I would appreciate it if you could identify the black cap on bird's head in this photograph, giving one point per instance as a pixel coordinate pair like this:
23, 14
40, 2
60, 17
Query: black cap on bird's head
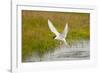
54, 37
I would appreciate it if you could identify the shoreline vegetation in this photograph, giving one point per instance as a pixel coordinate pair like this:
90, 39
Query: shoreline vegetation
36, 36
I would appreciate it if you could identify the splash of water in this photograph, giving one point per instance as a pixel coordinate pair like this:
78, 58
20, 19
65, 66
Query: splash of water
77, 51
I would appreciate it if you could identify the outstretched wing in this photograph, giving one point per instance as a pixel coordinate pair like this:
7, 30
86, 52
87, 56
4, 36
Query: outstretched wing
52, 28
64, 33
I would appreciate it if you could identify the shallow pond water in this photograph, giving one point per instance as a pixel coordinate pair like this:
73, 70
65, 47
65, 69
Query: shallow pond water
78, 50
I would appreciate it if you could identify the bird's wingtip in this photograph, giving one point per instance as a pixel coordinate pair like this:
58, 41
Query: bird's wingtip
48, 20
67, 23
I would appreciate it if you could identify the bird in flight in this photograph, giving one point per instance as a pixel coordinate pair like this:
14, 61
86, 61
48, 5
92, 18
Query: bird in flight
59, 36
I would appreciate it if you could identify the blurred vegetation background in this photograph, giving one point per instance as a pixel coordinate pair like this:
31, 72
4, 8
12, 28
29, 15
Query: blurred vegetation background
37, 37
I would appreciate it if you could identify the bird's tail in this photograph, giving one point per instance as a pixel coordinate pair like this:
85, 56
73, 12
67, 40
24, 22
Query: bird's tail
65, 43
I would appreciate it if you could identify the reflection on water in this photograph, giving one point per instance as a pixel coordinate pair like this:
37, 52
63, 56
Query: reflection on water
78, 50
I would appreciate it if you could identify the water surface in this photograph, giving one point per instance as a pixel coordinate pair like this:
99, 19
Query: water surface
78, 50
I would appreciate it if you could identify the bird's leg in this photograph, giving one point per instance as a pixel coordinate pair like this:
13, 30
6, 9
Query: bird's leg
61, 44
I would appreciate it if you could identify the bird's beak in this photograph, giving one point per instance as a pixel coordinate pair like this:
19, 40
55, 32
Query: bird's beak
54, 37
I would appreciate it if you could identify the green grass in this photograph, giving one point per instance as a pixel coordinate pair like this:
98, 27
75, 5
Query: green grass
36, 36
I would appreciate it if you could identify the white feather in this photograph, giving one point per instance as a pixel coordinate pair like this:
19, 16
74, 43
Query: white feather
65, 43
64, 33
59, 36
52, 28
